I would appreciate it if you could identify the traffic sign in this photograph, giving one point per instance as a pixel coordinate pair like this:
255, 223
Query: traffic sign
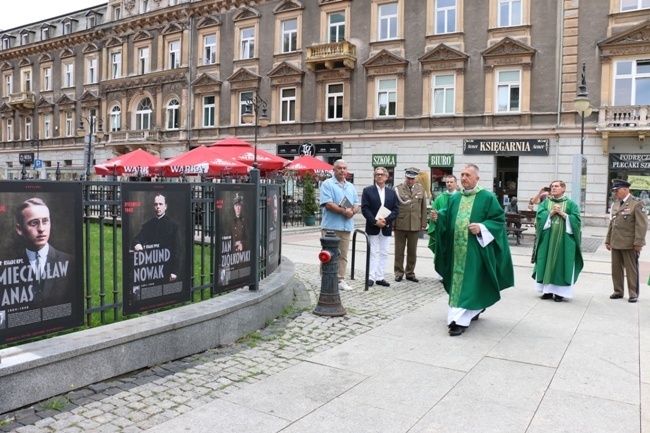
38, 164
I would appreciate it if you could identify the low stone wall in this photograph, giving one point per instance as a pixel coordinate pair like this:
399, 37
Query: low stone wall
36, 371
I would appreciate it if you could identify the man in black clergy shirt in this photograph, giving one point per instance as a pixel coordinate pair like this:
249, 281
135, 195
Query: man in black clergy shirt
161, 230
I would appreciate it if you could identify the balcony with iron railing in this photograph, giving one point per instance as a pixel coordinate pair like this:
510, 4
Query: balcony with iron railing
22, 100
330, 56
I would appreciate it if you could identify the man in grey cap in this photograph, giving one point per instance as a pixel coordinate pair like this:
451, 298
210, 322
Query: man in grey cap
625, 238
411, 218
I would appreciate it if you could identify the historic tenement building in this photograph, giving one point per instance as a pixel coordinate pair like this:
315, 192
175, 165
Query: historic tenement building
428, 83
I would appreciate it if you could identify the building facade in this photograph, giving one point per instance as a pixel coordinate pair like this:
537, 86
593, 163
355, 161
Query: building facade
433, 84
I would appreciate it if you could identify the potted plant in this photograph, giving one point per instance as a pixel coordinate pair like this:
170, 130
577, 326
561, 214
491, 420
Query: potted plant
309, 206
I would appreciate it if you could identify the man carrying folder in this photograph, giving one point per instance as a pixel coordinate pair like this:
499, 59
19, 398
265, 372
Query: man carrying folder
339, 201
379, 207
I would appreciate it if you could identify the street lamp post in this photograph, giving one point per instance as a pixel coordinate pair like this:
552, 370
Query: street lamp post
252, 115
88, 138
583, 107
37, 144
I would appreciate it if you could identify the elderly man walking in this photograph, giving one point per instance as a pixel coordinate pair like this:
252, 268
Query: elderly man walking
471, 251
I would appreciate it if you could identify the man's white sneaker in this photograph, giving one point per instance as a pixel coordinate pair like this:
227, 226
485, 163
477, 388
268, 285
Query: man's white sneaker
344, 286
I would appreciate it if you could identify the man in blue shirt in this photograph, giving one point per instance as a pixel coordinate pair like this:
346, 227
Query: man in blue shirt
340, 203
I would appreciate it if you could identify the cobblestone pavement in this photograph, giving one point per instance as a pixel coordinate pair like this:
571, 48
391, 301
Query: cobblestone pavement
143, 399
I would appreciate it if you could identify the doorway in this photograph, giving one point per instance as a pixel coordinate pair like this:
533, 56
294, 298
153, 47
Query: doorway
507, 179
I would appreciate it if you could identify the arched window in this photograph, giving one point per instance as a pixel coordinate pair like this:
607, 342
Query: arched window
143, 114
116, 118
173, 114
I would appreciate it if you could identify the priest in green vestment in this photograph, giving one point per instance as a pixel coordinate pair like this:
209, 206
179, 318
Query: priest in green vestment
471, 251
558, 259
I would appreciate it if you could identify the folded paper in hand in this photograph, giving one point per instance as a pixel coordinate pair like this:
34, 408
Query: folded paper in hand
345, 203
383, 212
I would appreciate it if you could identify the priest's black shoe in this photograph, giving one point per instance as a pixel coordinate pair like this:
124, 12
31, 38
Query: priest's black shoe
456, 330
559, 298
415, 280
398, 279
382, 283
547, 296
476, 317
632, 300
615, 296
370, 283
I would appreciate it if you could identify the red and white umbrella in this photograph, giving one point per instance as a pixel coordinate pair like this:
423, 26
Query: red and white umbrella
308, 163
202, 160
242, 151
137, 162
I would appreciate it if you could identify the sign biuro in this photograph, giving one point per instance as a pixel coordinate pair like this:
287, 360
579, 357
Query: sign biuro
441, 160
523, 146
157, 245
234, 206
41, 256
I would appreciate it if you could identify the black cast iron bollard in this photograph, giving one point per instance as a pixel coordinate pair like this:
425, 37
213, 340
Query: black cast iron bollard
329, 301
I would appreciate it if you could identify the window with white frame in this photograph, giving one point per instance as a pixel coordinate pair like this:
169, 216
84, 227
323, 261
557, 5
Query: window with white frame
173, 114
47, 78
27, 81
336, 27
68, 75
45, 33
143, 114
117, 12
633, 5
28, 128
8, 85
510, 13
387, 21
386, 97
47, 126
92, 71
116, 65
288, 105
209, 49
24, 38
208, 111
508, 90
10, 130
173, 2
144, 6
444, 87
289, 35
247, 43
90, 21
116, 118
174, 54
445, 16
334, 98
69, 124
244, 102
6, 43
143, 60
632, 82
67, 27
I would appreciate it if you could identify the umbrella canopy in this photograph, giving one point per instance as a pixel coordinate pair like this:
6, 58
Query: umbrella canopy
308, 163
129, 164
242, 151
202, 160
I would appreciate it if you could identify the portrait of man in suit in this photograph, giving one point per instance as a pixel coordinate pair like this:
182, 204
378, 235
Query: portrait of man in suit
51, 270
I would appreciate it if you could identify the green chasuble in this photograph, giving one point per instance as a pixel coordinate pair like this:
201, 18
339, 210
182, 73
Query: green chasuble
558, 259
439, 203
473, 275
